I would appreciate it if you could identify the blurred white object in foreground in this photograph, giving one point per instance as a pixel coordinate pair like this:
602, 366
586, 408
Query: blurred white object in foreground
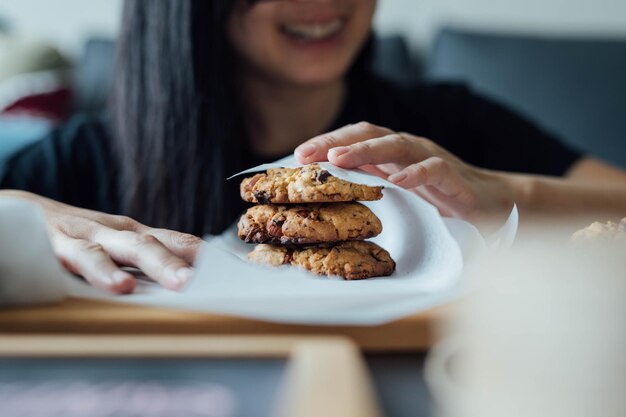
542, 335
29, 272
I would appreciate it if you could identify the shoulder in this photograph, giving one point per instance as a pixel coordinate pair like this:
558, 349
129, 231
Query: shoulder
78, 139
82, 131
67, 165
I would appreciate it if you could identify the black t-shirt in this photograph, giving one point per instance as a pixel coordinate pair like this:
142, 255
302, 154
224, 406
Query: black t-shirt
75, 164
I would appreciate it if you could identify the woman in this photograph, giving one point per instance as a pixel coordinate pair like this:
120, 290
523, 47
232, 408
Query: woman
206, 88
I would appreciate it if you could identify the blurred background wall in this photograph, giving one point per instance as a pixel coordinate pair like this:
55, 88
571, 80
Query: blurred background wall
67, 22
64, 23
420, 19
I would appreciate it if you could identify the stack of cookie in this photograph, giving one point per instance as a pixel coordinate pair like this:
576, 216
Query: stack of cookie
309, 218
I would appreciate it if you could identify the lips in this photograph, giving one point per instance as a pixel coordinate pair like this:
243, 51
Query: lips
314, 31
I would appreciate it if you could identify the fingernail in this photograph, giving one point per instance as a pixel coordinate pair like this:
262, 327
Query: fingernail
120, 276
176, 278
184, 274
398, 177
339, 151
305, 150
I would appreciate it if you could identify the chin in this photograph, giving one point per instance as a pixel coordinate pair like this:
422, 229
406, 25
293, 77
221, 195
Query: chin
312, 76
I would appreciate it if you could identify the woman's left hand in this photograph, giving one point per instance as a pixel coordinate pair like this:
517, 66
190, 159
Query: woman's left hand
456, 188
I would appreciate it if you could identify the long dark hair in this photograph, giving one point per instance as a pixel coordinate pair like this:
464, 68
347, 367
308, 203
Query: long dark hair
178, 130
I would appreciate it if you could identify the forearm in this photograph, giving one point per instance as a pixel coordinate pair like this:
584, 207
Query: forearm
569, 203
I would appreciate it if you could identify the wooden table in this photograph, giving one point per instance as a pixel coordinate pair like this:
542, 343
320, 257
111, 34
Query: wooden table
77, 317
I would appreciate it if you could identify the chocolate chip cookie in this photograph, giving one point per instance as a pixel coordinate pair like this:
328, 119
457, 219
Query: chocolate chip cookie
350, 260
310, 223
601, 232
308, 184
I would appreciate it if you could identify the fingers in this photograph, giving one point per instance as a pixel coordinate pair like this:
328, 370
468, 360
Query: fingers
184, 245
316, 149
392, 148
147, 253
91, 261
95, 245
432, 171
441, 184
375, 170
442, 202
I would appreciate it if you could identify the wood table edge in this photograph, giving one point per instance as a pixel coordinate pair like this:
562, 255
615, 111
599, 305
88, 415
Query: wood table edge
74, 316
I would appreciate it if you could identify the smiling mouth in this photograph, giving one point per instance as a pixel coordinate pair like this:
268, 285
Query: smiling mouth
314, 31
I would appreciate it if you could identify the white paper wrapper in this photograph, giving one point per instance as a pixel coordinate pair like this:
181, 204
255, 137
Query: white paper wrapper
429, 264
29, 273
427, 249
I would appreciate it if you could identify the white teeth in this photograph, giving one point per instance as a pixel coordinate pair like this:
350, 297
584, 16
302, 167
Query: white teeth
314, 31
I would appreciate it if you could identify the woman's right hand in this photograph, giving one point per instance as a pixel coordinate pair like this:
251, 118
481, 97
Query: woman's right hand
95, 246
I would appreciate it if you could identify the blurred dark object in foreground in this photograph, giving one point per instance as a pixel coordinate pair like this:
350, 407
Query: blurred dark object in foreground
115, 399
189, 387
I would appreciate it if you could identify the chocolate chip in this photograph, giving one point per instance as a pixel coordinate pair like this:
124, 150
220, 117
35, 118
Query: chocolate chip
256, 235
249, 238
261, 197
288, 257
322, 176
